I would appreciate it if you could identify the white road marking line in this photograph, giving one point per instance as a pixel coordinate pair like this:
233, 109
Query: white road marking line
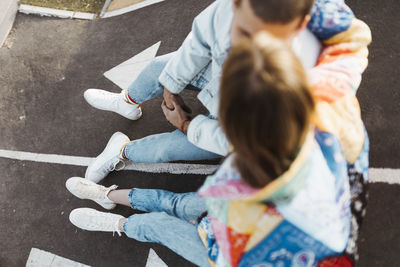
377, 175
154, 260
125, 73
41, 258
384, 175
46, 158
174, 168
130, 8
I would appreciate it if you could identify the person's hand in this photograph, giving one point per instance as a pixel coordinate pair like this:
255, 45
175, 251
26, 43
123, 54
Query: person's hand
169, 98
177, 116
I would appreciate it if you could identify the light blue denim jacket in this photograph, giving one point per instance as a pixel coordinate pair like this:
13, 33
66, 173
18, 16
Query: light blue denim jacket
208, 41
204, 51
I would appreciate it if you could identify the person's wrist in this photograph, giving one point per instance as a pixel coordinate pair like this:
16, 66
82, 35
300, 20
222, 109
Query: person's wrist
167, 95
167, 92
185, 126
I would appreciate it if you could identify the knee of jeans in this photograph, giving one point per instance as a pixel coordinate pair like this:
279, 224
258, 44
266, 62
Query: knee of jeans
161, 155
168, 153
165, 151
157, 62
145, 227
148, 81
155, 148
157, 65
139, 151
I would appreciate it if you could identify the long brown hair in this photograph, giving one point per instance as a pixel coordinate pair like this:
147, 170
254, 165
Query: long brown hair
265, 107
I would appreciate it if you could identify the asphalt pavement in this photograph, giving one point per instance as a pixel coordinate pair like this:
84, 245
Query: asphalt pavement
50, 63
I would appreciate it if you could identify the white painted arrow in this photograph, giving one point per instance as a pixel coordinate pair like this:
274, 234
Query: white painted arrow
153, 260
41, 258
126, 73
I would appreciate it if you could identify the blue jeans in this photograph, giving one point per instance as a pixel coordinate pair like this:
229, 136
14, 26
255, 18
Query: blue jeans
167, 222
163, 147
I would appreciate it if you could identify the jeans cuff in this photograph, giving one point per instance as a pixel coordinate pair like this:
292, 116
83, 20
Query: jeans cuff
125, 225
170, 83
131, 198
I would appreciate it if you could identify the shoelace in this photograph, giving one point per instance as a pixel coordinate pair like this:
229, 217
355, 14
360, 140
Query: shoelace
112, 165
91, 194
106, 225
122, 165
116, 229
97, 194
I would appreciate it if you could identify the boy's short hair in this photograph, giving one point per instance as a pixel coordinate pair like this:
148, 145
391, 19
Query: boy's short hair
280, 11
265, 107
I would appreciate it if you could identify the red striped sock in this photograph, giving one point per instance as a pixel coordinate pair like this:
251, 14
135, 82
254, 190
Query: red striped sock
130, 99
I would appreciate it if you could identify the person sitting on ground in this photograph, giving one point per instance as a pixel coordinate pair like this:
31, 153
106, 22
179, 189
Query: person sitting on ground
198, 63
282, 197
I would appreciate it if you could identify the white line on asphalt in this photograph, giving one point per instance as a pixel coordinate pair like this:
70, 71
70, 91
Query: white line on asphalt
125, 73
174, 168
130, 8
377, 175
46, 158
41, 258
384, 175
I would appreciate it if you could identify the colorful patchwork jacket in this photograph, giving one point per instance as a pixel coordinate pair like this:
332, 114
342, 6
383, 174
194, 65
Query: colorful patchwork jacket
303, 217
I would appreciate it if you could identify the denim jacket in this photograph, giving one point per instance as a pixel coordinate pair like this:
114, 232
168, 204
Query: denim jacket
206, 48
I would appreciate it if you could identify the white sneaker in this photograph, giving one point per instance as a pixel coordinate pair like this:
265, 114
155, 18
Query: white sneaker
115, 102
85, 189
109, 160
93, 220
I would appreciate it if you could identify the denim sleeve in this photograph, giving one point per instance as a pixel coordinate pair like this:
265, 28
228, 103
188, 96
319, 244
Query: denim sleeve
207, 134
194, 54
330, 17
